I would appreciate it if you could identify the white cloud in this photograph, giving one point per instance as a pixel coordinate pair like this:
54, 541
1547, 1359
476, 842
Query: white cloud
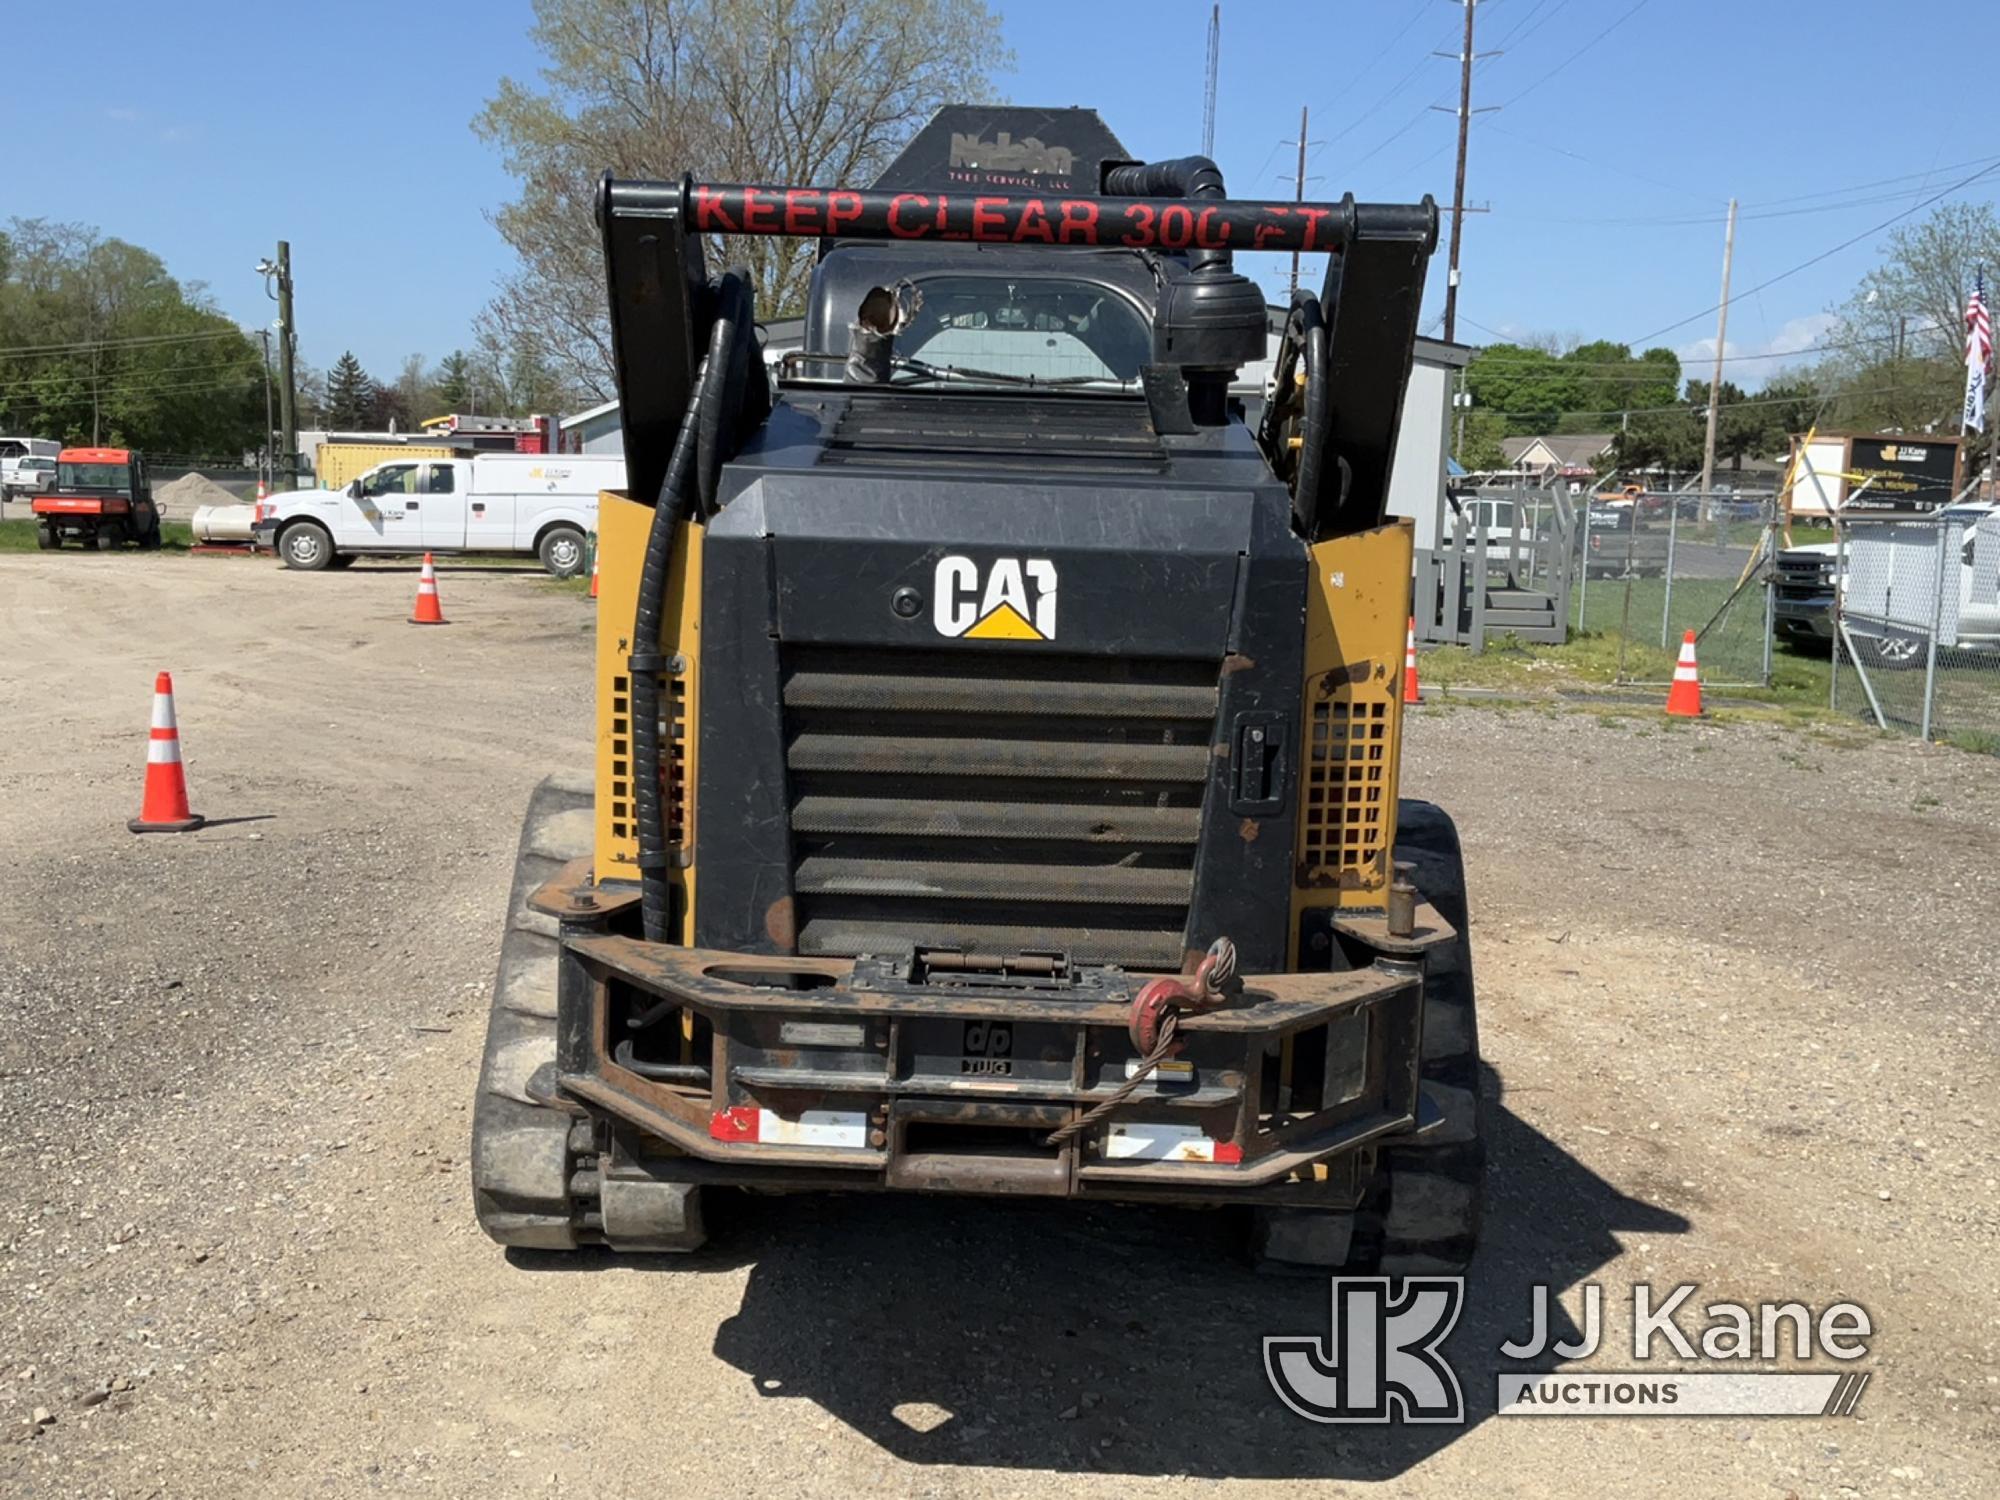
1758, 360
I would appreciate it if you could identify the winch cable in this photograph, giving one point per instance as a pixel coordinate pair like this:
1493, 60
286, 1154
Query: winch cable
693, 472
1154, 1027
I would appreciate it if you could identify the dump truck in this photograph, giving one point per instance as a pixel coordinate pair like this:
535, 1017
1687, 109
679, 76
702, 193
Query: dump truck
998, 737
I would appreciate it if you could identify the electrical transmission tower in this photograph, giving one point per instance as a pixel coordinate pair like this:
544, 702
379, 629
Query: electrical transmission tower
1208, 95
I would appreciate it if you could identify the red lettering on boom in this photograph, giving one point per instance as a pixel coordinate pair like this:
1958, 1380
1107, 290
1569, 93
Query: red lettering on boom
989, 221
1078, 224
802, 207
758, 218
709, 213
1270, 229
896, 207
841, 208
1312, 216
944, 219
1034, 224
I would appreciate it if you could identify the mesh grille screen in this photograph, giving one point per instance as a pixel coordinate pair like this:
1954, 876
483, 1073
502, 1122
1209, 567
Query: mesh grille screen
1346, 788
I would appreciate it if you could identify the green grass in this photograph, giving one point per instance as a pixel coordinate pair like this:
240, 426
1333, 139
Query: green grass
19, 536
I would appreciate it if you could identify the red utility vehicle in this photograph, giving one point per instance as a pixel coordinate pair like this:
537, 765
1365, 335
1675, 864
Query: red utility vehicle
102, 497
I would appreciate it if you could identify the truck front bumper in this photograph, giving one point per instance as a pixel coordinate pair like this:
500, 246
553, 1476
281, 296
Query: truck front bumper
793, 1072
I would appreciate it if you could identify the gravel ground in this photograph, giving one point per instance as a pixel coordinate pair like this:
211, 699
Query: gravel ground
1736, 990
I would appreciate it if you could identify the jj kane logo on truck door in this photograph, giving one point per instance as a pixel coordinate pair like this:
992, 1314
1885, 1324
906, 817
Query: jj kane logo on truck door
1010, 599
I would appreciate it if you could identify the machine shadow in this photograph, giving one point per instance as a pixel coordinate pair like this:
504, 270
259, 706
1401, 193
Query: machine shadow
1118, 1340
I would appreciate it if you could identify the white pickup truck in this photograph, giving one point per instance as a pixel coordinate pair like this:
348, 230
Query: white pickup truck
1889, 588
490, 502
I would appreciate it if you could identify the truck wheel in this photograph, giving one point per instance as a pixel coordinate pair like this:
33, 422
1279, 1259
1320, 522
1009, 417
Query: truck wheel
537, 1172
305, 545
47, 538
561, 551
1889, 653
1422, 1213
149, 540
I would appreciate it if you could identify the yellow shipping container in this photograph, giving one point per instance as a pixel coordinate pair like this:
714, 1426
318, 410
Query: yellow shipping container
340, 462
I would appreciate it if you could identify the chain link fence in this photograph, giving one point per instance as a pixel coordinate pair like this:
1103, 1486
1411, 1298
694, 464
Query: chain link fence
1917, 622
1653, 565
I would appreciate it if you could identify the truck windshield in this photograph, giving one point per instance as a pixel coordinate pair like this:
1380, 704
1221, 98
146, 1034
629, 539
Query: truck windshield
1028, 328
94, 477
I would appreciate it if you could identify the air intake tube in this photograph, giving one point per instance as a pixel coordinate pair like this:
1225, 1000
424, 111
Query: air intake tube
1183, 177
1208, 320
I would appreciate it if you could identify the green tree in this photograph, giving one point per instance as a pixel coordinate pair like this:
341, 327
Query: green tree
350, 395
1610, 380
1481, 448
452, 382
1529, 388
795, 91
1899, 365
98, 343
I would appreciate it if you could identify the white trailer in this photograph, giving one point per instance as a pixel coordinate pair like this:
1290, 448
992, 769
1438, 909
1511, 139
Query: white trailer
543, 504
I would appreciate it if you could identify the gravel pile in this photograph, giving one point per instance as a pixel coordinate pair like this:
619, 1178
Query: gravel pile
180, 498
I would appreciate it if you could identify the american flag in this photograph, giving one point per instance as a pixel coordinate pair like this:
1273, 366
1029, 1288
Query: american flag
1978, 354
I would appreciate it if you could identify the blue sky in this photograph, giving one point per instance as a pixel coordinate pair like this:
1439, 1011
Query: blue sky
212, 129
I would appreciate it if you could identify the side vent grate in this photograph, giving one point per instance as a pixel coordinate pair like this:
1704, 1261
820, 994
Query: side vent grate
674, 772
677, 779
621, 758
1345, 813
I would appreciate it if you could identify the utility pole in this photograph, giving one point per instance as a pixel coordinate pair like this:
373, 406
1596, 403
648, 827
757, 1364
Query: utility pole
1299, 192
288, 421
1458, 180
269, 453
1715, 385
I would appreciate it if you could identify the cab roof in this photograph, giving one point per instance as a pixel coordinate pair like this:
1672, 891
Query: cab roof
95, 456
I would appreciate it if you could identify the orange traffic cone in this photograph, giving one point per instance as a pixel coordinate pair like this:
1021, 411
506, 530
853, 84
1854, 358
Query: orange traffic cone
165, 808
593, 574
1410, 692
429, 610
1684, 697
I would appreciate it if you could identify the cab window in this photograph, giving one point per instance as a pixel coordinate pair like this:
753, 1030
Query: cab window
437, 479
396, 479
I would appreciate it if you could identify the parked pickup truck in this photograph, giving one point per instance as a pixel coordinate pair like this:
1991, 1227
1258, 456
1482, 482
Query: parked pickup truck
1807, 578
543, 504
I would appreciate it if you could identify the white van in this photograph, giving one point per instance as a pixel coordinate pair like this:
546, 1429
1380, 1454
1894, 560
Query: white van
17, 479
490, 502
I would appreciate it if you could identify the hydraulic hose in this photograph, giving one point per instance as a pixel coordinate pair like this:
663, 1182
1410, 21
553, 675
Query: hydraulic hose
1180, 177
1316, 418
644, 667
708, 434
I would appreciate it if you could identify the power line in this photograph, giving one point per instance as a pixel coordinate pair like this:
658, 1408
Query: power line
87, 345
122, 379
1831, 346
1604, 166
1822, 397
1641, 5
84, 397
1416, 14
1963, 182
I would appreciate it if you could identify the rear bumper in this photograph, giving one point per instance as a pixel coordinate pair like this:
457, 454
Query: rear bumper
841, 1074
64, 508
